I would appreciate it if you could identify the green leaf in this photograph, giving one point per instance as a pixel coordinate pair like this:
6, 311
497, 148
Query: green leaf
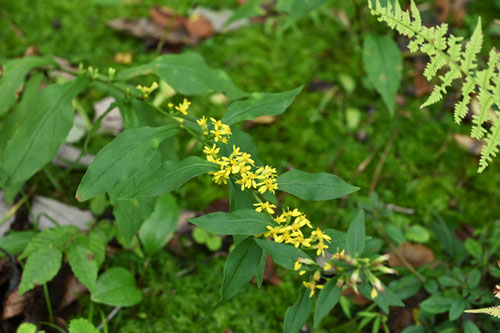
383, 63
214, 243
116, 287
122, 158
355, 240
417, 234
161, 225
52, 237
200, 235
239, 268
84, 265
14, 73
473, 278
131, 214
249, 9
239, 199
81, 325
188, 74
327, 299
282, 254
314, 186
406, 287
260, 104
436, 304
457, 309
447, 281
384, 299
15, 242
240, 222
395, 233
41, 267
414, 329
473, 247
297, 9
99, 204
470, 327
170, 176
261, 268
26, 328
46, 126
297, 315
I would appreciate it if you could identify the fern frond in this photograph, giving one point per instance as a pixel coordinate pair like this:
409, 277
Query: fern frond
492, 311
490, 149
472, 48
453, 60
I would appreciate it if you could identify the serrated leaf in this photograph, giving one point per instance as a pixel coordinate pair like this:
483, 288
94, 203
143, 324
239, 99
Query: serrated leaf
282, 254
46, 126
240, 222
328, 297
297, 315
81, 325
355, 238
84, 265
260, 104
188, 74
170, 176
15, 242
122, 158
161, 225
52, 237
131, 214
314, 186
116, 287
240, 266
14, 73
41, 267
383, 63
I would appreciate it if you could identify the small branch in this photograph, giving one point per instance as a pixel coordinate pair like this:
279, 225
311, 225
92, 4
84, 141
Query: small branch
110, 316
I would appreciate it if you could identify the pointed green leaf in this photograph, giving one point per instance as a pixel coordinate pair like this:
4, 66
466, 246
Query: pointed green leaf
40, 268
26, 328
15, 242
131, 214
171, 175
297, 315
355, 240
327, 299
314, 186
259, 273
52, 237
260, 104
14, 73
84, 265
46, 126
161, 225
383, 64
457, 309
249, 9
81, 325
122, 158
384, 299
240, 222
116, 287
188, 74
240, 266
282, 254
436, 304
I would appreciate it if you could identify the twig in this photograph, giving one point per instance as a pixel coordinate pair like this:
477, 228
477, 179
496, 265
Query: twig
110, 316
399, 209
381, 162
16, 207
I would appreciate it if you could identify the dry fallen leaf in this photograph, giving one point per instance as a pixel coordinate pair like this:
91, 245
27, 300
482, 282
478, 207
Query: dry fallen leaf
15, 303
443, 10
199, 27
124, 58
417, 255
166, 17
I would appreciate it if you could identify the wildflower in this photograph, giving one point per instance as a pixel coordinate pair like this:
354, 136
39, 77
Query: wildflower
183, 107
321, 247
170, 105
145, 91
297, 265
312, 286
211, 151
268, 207
291, 213
316, 276
374, 293
280, 219
247, 180
268, 185
202, 122
338, 255
327, 266
302, 221
221, 176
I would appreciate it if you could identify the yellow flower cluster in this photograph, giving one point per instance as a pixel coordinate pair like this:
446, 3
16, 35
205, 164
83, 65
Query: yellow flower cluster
145, 91
183, 107
289, 230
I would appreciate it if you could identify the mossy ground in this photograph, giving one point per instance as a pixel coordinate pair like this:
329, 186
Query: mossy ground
425, 170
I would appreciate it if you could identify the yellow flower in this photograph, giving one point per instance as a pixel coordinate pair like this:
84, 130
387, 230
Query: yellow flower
247, 180
170, 105
321, 249
319, 235
183, 107
327, 266
297, 265
202, 122
302, 221
211, 151
302, 272
268, 207
269, 184
374, 293
291, 213
312, 286
280, 219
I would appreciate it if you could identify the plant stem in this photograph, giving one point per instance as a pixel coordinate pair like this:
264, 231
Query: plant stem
47, 300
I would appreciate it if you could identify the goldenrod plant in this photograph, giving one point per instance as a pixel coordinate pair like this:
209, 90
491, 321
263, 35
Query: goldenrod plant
452, 59
134, 171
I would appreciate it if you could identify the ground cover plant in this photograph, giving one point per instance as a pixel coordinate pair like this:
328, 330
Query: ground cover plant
135, 179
